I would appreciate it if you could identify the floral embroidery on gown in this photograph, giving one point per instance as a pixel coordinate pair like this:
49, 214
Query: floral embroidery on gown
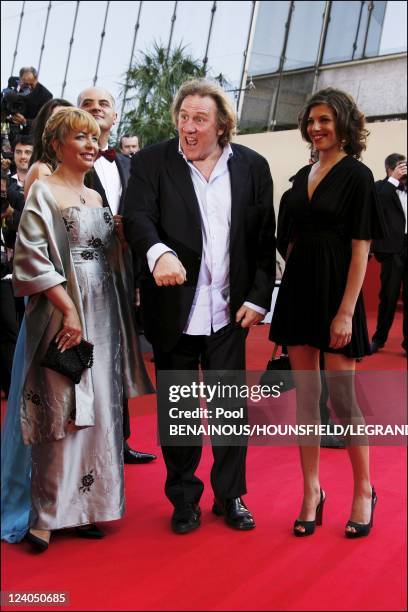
79, 479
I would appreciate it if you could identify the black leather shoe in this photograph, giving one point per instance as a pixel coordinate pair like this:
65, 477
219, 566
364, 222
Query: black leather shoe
134, 456
92, 532
376, 346
186, 518
38, 544
235, 513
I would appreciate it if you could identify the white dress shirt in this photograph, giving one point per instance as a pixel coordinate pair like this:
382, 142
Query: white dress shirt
210, 309
402, 196
19, 183
109, 176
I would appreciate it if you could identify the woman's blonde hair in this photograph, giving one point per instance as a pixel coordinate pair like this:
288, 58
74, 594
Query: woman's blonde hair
226, 115
64, 122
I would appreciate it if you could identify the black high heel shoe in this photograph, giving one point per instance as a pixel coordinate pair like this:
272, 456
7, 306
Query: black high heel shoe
38, 544
363, 529
309, 526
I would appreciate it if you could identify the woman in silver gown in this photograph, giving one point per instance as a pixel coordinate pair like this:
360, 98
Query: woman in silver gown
69, 261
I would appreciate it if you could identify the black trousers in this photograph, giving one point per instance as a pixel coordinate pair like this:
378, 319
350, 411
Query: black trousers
394, 276
222, 350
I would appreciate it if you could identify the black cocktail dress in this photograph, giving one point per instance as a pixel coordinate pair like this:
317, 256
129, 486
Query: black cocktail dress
343, 207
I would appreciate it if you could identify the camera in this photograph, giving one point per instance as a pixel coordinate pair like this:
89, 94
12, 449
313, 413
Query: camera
12, 85
12, 100
15, 103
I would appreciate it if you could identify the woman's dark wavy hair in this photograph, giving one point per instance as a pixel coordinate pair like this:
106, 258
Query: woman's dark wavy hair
44, 114
350, 121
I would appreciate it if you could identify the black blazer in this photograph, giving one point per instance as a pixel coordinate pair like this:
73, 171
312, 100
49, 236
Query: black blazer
394, 219
161, 206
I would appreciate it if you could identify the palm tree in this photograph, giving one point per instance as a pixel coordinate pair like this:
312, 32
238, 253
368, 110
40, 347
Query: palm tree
151, 85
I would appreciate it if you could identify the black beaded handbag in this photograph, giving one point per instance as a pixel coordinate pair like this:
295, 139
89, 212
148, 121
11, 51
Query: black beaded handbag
72, 362
278, 372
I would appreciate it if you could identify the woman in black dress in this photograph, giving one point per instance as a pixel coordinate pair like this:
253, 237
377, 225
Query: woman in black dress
335, 214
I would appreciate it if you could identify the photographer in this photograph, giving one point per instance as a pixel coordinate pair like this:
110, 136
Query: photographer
22, 103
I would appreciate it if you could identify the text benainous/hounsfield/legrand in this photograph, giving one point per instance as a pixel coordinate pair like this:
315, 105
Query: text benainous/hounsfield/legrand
246, 429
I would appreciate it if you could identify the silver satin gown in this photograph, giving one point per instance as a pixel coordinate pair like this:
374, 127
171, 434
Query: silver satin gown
79, 479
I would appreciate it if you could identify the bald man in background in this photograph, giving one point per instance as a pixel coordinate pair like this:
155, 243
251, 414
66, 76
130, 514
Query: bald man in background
109, 178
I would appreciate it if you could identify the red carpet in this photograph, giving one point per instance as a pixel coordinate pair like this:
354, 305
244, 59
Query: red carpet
141, 565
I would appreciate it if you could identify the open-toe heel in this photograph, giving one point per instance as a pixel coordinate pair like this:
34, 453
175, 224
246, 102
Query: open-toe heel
309, 526
362, 529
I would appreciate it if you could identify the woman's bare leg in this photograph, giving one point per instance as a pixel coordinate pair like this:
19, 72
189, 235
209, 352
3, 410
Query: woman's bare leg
305, 365
359, 455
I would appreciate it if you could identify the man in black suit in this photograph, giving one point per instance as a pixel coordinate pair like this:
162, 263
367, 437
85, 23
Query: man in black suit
22, 151
391, 251
23, 105
109, 178
199, 212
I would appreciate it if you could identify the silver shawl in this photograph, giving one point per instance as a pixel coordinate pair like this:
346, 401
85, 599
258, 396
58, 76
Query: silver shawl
43, 260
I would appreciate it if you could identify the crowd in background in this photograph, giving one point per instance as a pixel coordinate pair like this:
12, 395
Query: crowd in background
25, 107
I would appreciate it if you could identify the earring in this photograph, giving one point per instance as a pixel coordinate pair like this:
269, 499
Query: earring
343, 143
